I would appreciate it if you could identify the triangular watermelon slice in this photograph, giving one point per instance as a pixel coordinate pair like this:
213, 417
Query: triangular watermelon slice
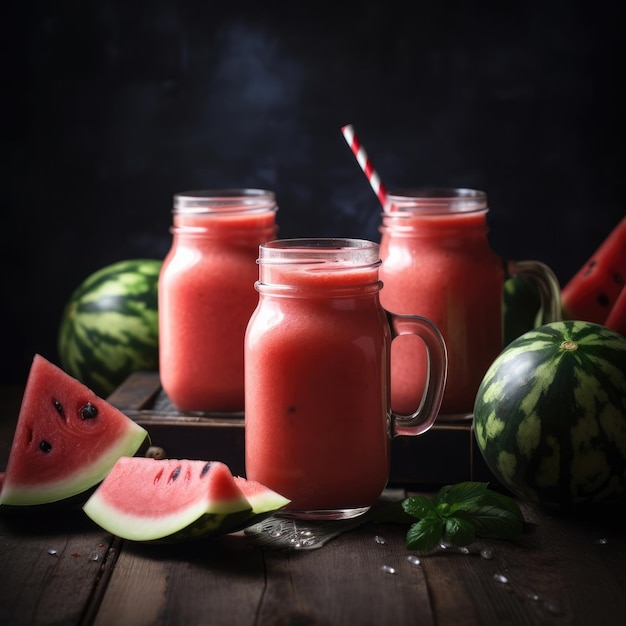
616, 319
261, 498
592, 292
66, 440
173, 500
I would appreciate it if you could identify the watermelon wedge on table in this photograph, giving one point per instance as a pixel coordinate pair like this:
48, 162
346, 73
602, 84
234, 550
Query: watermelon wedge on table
592, 292
66, 439
174, 500
261, 498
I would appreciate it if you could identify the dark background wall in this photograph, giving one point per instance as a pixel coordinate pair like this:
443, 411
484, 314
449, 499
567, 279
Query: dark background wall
110, 107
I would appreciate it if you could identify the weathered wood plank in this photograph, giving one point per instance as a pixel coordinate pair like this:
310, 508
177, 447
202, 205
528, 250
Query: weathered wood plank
561, 572
137, 392
233, 582
558, 573
208, 582
345, 583
49, 566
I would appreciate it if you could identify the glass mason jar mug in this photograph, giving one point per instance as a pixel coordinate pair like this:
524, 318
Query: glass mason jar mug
206, 295
437, 262
317, 350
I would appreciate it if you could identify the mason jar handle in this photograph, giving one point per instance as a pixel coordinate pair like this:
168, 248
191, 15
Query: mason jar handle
547, 284
437, 354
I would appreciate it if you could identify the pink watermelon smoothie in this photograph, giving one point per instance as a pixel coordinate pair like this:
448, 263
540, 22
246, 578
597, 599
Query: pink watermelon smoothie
441, 267
317, 377
206, 297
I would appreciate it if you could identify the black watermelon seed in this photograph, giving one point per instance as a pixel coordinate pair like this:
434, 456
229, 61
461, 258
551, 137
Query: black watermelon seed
603, 300
59, 407
89, 411
45, 446
205, 469
175, 474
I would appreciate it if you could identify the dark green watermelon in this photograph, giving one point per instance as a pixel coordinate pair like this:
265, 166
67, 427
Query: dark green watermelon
550, 415
109, 327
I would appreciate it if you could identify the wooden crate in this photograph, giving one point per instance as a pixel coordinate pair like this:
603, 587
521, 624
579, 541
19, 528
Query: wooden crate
446, 454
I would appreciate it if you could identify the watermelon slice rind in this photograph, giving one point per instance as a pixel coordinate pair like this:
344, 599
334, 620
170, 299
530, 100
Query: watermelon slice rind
68, 490
171, 501
66, 440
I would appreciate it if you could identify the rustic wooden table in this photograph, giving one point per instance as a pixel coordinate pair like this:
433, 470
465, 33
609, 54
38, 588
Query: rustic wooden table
61, 569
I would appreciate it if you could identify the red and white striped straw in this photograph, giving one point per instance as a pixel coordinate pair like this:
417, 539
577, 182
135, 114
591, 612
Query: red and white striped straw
366, 165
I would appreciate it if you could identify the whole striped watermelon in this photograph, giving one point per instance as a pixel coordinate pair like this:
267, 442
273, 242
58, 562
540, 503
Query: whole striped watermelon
109, 327
550, 415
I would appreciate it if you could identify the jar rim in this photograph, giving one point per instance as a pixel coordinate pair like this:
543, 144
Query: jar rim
226, 199
436, 200
337, 251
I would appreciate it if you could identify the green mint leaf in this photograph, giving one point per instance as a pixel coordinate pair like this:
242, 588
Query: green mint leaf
453, 494
460, 513
504, 502
459, 530
443, 509
419, 506
490, 500
493, 498
425, 534
496, 523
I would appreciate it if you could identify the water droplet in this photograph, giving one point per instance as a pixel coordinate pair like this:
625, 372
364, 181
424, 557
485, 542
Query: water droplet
275, 533
486, 553
388, 569
444, 546
379, 539
531, 595
501, 578
602, 541
94, 556
551, 607
464, 550
52, 551
413, 560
